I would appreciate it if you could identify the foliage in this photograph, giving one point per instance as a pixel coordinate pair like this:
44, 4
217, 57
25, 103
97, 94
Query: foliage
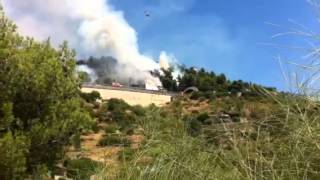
111, 128
204, 81
210, 84
167, 80
95, 127
117, 104
280, 143
121, 113
127, 154
91, 97
194, 127
14, 150
39, 98
84, 76
114, 140
76, 140
202, 117
40, 114
138, 110
81, 169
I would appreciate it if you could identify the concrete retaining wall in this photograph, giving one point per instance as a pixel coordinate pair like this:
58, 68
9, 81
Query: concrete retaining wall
131, 96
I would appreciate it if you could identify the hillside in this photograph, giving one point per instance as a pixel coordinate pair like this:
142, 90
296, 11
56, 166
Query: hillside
227, 137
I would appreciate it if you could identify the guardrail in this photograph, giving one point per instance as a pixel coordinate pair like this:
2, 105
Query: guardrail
130, 89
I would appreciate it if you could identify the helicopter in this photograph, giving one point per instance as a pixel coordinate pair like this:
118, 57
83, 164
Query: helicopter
147, 13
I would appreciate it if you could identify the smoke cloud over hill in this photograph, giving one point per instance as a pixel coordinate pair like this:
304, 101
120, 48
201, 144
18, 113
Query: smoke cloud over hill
92, 27
105, 70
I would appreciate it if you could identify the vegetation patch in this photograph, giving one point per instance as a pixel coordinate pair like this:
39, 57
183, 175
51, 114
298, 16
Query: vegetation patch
81, 169
91, 97
127, 154
114, 140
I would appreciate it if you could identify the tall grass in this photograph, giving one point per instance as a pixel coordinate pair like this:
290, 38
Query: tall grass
284, 145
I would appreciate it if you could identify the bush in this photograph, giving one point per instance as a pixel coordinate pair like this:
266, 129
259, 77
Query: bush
95, 128
114, 140
194, 127
39, 82
111, 128
129, 131
127, 154
123, 118
138, 110
209, 95
91, 97
76, 140
203, 117
195, 95
81, 169
117, 105
102, 113
121, 113
13, 153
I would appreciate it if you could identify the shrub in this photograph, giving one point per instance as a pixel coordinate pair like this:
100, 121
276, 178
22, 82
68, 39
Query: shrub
76, 140
95, 128
40, 83
121, 113
202, 99
102, 113
195, 111
195, 95
111, 128
13, 153
91, 97
130, 131
117, 105
81, 169
127, 154
123, 118
138, 110
194, 127
114, 140
202, 117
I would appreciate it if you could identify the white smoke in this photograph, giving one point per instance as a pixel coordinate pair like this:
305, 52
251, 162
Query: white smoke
167, 61
164, 60
92, 27
89, 71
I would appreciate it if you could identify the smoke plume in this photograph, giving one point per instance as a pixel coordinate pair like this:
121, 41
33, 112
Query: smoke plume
92, 27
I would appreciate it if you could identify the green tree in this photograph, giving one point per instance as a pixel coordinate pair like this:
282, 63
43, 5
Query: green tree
188, 78
39, 96
221, 79
14, 149
91, 97
84, 76
167, 80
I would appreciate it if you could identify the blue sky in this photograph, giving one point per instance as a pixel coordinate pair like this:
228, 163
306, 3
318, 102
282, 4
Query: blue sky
220, 35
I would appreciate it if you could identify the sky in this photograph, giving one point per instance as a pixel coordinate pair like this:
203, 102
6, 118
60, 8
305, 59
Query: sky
226, 36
